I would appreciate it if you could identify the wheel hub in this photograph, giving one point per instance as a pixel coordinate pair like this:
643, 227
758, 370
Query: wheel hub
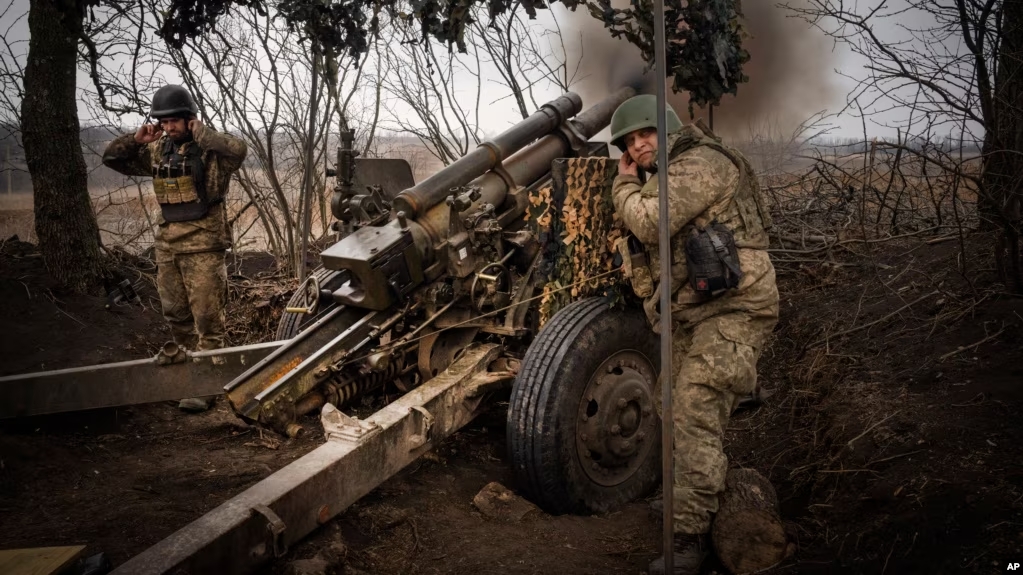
616, 422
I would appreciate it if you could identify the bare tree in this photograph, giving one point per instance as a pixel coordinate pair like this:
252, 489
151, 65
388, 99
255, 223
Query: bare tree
444, 92
203, 43
12, 74
525, 55
40, 91
444, 111
64, 222
957, 71
253, 78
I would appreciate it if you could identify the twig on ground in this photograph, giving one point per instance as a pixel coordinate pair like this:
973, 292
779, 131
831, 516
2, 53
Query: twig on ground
977, 400
911, 544
875, 322
850, 443
223, 437
941, 239
894, 543
415, 536
847, 471
962, 348
975, 558
869, 463
56, 304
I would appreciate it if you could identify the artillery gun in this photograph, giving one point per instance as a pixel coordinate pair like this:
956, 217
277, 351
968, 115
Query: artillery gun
432, 287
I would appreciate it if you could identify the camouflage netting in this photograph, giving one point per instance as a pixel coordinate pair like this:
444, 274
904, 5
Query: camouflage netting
704, 42
704, 37
577, 227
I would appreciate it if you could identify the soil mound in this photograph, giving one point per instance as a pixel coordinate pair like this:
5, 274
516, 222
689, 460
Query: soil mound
894, 439
44, 327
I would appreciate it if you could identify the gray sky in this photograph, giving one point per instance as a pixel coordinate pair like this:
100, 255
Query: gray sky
812, 70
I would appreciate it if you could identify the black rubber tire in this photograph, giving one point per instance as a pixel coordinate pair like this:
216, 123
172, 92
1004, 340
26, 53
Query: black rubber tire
546, 397
291, 324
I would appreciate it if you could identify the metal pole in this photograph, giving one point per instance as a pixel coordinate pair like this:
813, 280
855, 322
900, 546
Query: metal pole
10, 170
166, 376
309, 168
664, 245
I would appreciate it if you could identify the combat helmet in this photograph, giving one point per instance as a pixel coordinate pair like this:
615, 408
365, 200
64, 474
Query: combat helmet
636, 113
173, 101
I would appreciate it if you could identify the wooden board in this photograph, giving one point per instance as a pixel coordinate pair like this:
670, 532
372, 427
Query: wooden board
38, 560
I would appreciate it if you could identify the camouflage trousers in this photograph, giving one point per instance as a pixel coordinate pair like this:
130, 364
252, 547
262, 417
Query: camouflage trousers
193, 292
715, 365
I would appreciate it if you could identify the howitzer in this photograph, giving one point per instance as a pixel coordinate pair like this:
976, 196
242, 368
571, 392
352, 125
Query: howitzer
451, 250
433, 288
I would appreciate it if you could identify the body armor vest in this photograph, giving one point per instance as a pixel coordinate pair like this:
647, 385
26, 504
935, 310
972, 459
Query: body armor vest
711, 247
741, 223
745, 215
179, 182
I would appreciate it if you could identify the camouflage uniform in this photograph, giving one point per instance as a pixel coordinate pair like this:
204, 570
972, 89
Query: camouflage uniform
716, 343
191, 274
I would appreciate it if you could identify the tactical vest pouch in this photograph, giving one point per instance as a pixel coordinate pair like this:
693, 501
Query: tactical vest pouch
712, 260
179, 183
180, 190
635, 265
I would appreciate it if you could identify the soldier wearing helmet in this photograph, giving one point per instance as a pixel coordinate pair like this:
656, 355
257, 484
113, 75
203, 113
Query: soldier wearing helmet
723, 292
191, 165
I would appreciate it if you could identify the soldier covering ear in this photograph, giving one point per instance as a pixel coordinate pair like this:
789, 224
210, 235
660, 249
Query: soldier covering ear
191, 166
724, 296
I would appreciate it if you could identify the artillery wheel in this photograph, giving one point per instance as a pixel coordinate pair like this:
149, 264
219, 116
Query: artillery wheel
583, 431
291, 324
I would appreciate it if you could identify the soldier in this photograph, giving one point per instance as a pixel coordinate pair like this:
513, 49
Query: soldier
191, 166
723, 292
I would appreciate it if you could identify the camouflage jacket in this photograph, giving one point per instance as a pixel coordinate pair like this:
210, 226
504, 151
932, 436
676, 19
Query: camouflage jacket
222, 155
706, 181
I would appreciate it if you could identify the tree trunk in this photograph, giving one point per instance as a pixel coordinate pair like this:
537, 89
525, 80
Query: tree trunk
1003, 148
64, 218
748, 534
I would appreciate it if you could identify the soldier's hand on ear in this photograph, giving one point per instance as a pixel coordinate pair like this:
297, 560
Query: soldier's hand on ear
196, 127
148, 133
627, 166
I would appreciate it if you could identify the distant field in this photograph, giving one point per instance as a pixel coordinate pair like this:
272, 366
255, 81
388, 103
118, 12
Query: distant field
125, 210
16, 217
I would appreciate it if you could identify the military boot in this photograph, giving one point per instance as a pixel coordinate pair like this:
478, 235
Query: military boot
688, 553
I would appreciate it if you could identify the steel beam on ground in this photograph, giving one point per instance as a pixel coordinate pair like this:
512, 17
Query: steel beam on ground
262, 522
192, 374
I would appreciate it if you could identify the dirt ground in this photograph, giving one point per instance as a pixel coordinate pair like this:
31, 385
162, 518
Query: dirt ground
892, 452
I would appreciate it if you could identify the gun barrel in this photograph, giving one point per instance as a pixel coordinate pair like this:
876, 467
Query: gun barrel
433, 190
534, 162
529, 164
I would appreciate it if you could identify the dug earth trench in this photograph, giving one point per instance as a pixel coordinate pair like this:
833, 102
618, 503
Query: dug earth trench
892, 437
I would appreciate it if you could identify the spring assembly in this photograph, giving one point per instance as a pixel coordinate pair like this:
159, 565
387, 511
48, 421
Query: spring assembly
343, 389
